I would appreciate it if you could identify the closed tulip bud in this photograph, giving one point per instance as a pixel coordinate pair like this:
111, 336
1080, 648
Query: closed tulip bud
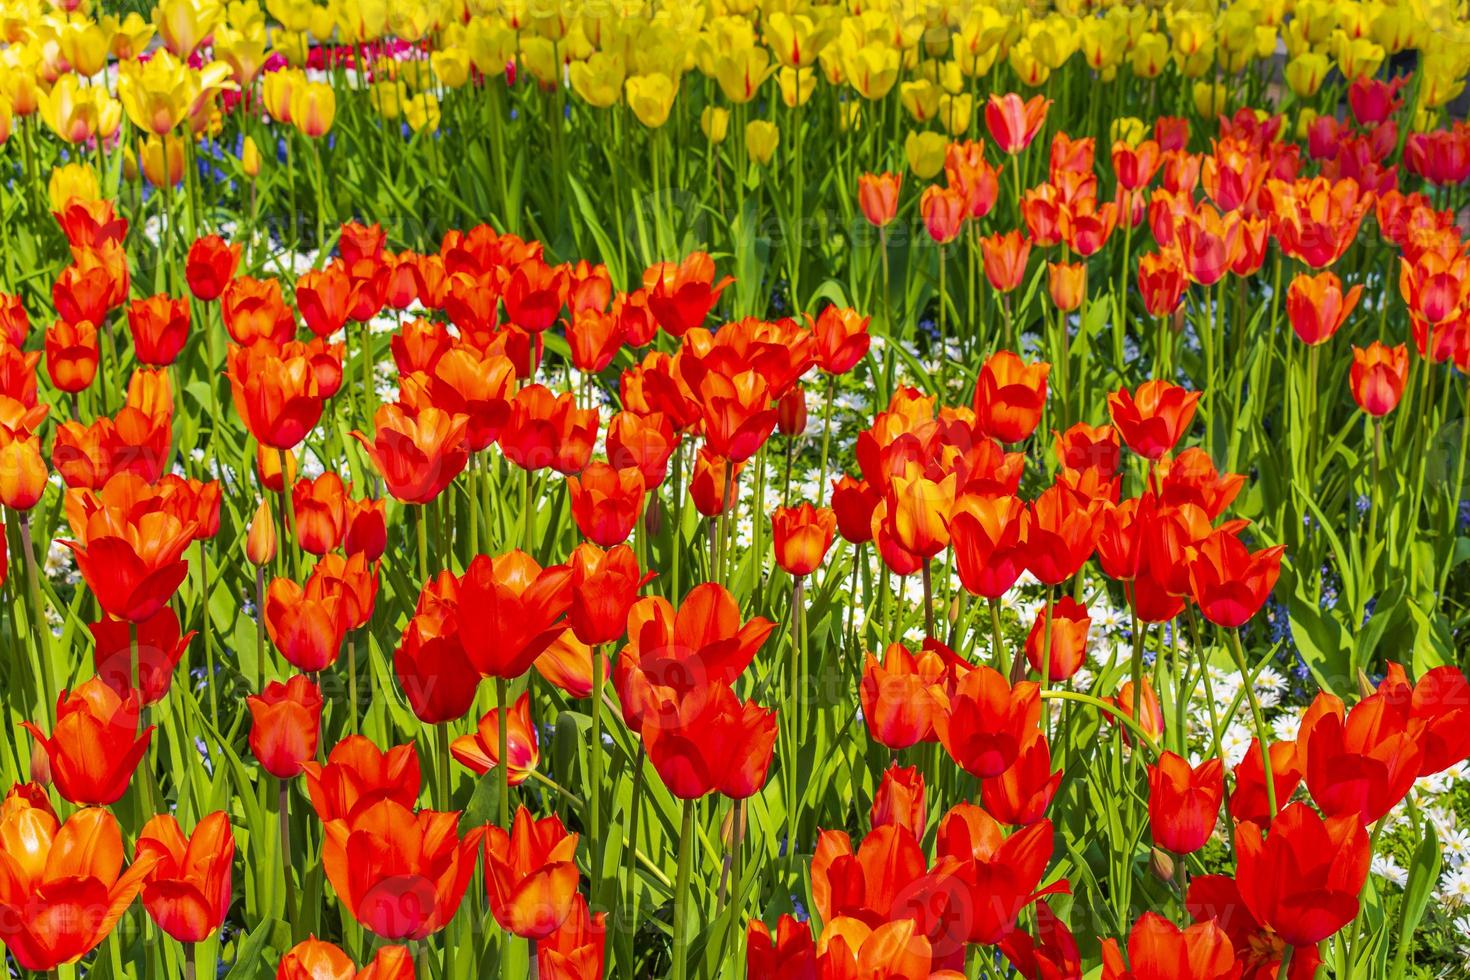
606, 502
791, 413
1161, 864
286, 724
761, 139
250, 158
71, 355
159, 326
22, 472
313, 108
1184, 802
1068, 649
162, 159
944, 211
714, 122
72, 182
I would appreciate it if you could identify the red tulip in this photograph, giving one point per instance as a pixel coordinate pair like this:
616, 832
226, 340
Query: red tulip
1184, 802
842, 339
1020, 795
681, 296
71, 355
878, 197
132, 565
1258, 950
317, 960
531, 875
900, 801
546, 429
1439, 709
1005, 258
160, 326
255, 310
418, 455
277, 396
902, 696
1378, 377
1303, 879
988, 546
1059, 535
1360, 763
853, 502
1248, 801
210, 266
325, 298
1051, 955
606, 502
644, 442
286, 725
158, 649
1229, 582
95, 746
705, 740
308, 632
604, 587
999, 877
944, 212
1317, 306
1010, 396
188, 890
576, 951
517, 605
431, 664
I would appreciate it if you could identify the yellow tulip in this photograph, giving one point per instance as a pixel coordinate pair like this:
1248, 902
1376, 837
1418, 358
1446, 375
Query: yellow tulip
293, 46
363, 20
85, 44
797, 39
184, 24
1436, 88
422, 112
797, 85
1304, 121
70, 110
163, 160
320, 23
920, 98
539, 57
1128, 129
293, 15
850, 116
651, 97
1316, 19
714, 122
451, 66
130, 37
72, 182
156, 94
1030, 69
1359, 57
387, 97
416, 73
1306, 72
740, 73
1099, 43
872, 70
599, 79
275, 91
249, 158
243, 52
955, 112
1396, 29
313, 107
761, 140
245, 16
1209, 99
925, 153
410, 21
18, 81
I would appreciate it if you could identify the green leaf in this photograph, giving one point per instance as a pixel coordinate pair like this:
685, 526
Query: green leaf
1423, 874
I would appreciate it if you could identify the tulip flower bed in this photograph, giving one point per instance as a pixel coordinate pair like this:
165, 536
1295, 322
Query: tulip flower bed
734, 489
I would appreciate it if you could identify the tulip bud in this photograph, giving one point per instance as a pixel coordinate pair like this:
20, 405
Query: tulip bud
791, 413
1365, 685
653, 516
250, 158
260, 541
1161, 863
714, 122
761, 139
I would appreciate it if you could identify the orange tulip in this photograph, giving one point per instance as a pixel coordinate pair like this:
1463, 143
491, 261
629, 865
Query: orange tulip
1161, 282
704, 740
1067, 283
22, 471
988, 547
255, 310
159, 326
531, 875
71, 355
324, 297
1005, 258
534, 294
594, 337
1184, 802
358, 774
738, 417
188, 891
842, 339
83, 294
399, 873
1068, 651
878, 197
286, 723
707, 487
918, 511
433, 670
320, 509
419, 454
480, 752
902, 695
801, 536
466, 381
260, 539
1020, 795
1317, 306
15, 324
308, 631
576, 951
1150, 716
944, 211
278, 396
1378, 376
604, 587
95, 746
642, 441
62, 886
986, 722
1010, 396
317, 960
367, 529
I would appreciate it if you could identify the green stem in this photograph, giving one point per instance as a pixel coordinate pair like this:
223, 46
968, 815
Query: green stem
594, 790
502, 696
681, 894
1257, 718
